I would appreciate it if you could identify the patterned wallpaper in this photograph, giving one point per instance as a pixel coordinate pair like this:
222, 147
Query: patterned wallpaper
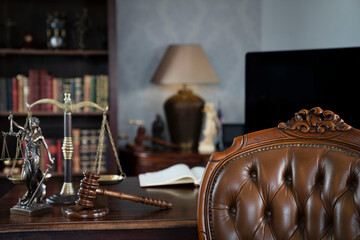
226, 29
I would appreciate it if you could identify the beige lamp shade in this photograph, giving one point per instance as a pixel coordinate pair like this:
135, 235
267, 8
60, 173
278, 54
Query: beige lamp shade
184, 64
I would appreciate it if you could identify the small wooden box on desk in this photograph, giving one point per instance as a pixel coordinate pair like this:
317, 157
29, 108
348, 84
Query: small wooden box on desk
136, 162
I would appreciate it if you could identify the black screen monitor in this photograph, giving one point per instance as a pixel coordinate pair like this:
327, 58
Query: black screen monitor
278, 84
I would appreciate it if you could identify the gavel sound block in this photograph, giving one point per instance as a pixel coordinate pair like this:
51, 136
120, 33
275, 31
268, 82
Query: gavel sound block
89, 187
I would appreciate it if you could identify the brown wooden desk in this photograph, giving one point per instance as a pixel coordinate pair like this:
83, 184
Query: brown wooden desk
135, 162
126, 220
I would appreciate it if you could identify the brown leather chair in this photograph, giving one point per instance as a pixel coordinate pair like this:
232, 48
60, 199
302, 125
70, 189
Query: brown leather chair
297, 181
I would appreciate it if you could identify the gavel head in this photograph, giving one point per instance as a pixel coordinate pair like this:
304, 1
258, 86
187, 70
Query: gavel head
87, 190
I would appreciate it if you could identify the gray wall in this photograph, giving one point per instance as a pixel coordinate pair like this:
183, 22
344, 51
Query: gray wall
308, 24
226, 29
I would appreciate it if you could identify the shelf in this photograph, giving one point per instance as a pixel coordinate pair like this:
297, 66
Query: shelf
47, 52
53, 174
98, 59
49, 114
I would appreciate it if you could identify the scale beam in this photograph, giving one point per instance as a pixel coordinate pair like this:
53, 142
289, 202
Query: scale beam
67, 194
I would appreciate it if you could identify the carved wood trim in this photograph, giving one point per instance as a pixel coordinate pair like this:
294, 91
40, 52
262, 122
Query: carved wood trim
315, 120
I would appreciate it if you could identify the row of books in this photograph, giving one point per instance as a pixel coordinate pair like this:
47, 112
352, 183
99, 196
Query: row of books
85, 142
15, 92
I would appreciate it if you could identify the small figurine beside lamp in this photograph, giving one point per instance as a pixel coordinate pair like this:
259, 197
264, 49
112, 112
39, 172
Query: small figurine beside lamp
212, 124
32, 202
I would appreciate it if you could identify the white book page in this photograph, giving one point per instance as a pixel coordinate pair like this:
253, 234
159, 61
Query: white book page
198, 173
177, 174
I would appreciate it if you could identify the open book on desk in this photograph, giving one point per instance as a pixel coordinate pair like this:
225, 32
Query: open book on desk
176, 174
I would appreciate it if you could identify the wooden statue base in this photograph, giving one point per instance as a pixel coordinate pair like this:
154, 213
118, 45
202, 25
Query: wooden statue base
81, 212
32, 210
62, 199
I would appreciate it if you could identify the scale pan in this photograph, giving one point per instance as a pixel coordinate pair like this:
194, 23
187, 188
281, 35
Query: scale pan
16, 178
9, 161
110, 179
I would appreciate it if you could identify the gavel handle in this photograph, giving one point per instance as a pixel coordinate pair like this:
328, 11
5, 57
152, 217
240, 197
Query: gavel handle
162, 142
135, 198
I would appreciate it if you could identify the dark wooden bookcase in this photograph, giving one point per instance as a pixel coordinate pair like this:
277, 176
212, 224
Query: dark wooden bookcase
98, 57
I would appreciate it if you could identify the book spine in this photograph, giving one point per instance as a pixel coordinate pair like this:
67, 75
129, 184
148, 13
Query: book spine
72, 89
102, 90
93, 142
15, 94
2, 94
84, 149
20, 93
55, 93
105, 154
60, 82
78, 91
99, 89
86, 90
59, 156
93, 91
76, 155
34, 87
43, 88
49, 92
26, 90
66, 87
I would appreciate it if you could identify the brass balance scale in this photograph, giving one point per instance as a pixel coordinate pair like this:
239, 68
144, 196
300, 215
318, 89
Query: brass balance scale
67, 194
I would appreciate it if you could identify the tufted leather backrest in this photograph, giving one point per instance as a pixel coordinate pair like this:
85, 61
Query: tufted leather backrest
288, 182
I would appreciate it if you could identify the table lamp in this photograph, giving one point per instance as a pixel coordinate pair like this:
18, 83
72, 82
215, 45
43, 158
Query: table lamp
184, 64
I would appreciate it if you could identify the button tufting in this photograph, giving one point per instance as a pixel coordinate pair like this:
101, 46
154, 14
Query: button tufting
232, 212
253, 175
267, 216
352, 182
302, 222
288, 179
319, 179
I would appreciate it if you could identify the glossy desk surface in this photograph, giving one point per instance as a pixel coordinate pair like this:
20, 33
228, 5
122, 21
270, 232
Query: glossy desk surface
128, 219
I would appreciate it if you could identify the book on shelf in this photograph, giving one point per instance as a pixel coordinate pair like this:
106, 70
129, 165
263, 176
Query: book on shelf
86, 90
2, 94
76, 154
14, 92
55, 93
78, 91
89, 140
176, 174
59, 156
26, 91
21, 105
39, 84
34, 88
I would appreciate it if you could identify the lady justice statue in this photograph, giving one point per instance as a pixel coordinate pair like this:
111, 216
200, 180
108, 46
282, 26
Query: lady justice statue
32, 202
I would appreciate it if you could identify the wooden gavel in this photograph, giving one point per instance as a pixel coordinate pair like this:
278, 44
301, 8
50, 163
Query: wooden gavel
141, 136
89, 186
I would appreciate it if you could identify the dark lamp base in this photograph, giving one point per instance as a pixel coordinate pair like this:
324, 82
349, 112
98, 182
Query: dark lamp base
184, 116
